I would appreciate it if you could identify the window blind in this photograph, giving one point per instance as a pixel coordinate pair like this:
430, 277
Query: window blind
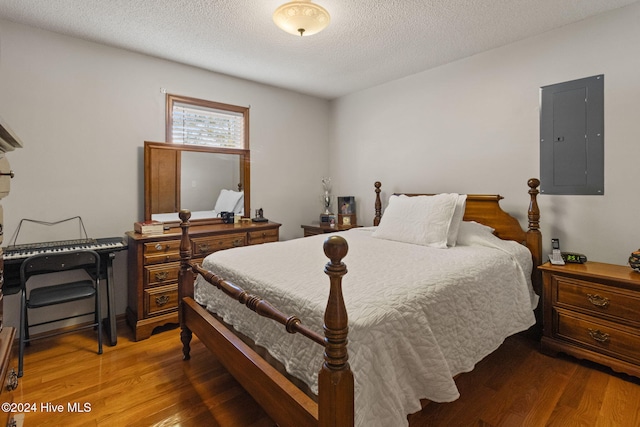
199, 125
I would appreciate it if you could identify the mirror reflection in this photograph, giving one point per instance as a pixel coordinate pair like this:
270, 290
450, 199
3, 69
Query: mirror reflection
204, 180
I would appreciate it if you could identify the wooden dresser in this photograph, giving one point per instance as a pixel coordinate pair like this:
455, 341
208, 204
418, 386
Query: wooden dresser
8, 373
592, 311
154, 262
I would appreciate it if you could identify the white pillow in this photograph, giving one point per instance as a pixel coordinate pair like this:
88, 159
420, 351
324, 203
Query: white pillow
461, 204
227, 200
471, 231
421, 220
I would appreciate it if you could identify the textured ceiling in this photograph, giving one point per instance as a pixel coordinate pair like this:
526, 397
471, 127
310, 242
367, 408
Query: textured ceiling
367, 43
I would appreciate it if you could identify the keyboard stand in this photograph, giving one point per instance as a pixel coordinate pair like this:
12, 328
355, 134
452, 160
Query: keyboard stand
107, 255
111, 303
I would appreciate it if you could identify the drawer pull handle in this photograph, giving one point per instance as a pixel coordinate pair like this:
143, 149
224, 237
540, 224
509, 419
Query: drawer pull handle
237, 242
598, 301
162, 300
12, 380
159, 247
162, 275
203, 247
598, 335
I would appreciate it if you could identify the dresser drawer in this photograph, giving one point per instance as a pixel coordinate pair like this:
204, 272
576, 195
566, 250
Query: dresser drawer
157, 252
263, 236
160, 299
203, 246
597, 299
161, 274
605, 337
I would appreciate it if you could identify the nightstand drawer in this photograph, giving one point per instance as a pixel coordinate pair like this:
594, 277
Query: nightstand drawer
160, 299
263, 236
161, 274
597, 299
203, 246
605, 337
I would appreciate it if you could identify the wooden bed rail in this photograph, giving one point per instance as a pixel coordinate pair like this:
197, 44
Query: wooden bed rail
335, 407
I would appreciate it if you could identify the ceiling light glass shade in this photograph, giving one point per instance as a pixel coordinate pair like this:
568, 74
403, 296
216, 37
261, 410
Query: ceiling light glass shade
301, 18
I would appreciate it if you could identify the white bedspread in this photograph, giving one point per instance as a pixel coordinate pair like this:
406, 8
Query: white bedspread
418, 316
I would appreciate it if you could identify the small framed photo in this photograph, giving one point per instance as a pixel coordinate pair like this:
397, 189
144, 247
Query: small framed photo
347, 210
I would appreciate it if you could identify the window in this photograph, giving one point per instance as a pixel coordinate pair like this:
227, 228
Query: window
194, 121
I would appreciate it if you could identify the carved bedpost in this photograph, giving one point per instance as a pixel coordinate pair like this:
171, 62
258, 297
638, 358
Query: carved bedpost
534, 211
378, 204
185, 281
335, 380
534, 237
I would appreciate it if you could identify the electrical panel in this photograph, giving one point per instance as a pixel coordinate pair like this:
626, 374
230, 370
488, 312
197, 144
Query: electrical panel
572, 137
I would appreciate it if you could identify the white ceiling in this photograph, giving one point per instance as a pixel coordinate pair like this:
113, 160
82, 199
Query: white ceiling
368, 42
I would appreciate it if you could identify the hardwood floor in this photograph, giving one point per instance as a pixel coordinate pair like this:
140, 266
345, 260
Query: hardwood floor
147, 384
519, 386
143, 383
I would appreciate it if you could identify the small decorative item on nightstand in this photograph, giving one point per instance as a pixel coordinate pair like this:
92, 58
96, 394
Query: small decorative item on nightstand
325, 217
347, 210
634, 260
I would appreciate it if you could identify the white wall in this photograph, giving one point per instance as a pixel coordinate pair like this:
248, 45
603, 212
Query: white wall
83, 111
472, 127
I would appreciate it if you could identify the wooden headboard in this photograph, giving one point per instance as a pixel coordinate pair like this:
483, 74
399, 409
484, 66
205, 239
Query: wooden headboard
485, 209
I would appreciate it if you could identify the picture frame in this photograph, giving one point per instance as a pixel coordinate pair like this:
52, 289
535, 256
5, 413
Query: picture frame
347, 210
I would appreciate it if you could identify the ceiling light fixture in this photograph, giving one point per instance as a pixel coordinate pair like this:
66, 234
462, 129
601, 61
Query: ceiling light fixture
301, 17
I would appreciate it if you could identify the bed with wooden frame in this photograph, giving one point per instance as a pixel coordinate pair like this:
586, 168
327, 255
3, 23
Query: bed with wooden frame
284, 402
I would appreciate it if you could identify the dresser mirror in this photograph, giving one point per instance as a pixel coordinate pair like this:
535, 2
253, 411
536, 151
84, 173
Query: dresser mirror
200, 179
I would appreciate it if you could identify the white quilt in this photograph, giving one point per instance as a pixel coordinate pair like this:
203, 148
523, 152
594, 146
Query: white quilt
418, 315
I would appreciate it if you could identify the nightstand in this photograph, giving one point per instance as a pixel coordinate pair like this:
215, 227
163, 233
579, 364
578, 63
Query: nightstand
317, 228
592, 311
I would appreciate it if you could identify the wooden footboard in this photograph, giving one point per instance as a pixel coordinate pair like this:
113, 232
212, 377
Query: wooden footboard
281, 399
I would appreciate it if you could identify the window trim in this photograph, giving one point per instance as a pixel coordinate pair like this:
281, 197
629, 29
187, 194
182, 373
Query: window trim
172, 99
